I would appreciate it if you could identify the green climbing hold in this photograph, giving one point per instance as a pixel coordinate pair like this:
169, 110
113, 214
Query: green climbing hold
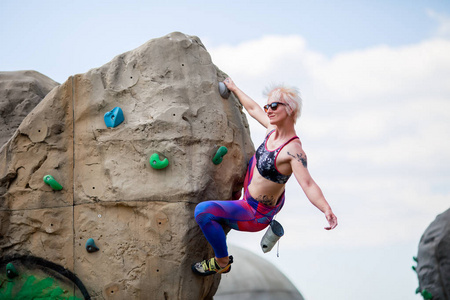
418, 290
414, 268
415, 259
91, 246
217, 159
427, 295
11, 271
48, 179
156, 163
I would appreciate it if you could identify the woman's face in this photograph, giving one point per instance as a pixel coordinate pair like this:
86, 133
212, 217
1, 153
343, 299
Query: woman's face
276, 111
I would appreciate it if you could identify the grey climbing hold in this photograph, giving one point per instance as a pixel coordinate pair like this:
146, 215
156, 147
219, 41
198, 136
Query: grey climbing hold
223, 90
90, 246
11, 271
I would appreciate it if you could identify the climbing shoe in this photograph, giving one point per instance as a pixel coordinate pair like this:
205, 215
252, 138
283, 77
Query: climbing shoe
210, 267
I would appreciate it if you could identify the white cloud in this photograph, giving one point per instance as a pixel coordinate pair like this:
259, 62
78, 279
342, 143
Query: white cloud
257, 57
384, 73
443, 29
376, 73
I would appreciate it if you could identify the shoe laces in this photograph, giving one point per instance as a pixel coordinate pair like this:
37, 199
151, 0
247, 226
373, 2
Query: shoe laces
209, 264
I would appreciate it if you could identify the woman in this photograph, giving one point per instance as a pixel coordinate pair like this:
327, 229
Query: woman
280, 155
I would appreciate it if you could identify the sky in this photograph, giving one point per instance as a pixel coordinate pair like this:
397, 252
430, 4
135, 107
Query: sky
375, 82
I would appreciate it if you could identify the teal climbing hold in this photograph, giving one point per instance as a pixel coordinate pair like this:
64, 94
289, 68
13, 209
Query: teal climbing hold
156, 163
427, 295
114, 117
90, 246
218, 157
418, 290
48, 179
414, 268
11, 271
415, 259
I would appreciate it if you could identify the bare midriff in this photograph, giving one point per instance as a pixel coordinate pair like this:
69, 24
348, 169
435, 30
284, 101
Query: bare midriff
264, 190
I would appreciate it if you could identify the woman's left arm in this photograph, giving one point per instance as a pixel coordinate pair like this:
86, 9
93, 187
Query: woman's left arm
299, 167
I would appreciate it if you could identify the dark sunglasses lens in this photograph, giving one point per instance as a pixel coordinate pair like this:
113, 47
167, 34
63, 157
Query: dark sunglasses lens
273, 106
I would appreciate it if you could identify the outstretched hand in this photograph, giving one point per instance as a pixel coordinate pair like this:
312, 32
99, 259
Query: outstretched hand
230, 84
332, 220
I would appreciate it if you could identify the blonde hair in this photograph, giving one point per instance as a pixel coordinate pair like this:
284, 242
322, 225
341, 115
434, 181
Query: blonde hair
288, 95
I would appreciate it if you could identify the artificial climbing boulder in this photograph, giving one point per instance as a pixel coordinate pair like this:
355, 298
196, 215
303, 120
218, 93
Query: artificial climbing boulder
20, 92
141, 218
433, 259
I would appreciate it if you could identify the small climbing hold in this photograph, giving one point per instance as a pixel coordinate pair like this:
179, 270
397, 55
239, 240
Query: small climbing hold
418, 290
90, 246
114, 117
414, 268
427, 295
156, 163
223, 90
218, 157
415, 259
48, 179
11, 271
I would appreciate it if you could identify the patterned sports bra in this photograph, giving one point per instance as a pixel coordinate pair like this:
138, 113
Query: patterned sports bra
266, 161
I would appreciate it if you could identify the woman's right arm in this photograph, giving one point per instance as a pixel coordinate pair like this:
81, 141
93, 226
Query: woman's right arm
254, 110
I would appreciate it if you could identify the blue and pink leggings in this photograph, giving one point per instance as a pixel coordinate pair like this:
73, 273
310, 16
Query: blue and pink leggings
244, 215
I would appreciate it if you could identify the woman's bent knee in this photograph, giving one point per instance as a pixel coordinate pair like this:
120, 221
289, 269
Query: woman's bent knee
201, 208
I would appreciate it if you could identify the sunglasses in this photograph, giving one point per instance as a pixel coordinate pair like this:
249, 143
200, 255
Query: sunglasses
273, 106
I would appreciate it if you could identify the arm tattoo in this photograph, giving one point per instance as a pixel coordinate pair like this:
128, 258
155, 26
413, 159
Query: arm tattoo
300, 158
266, 200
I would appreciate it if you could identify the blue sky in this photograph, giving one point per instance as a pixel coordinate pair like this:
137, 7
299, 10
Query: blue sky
374, 78
47, 35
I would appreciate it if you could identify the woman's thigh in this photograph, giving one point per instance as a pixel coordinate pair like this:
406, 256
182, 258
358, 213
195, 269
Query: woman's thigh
237, 214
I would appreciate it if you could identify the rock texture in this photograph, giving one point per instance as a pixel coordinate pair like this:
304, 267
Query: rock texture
20, 92
140, 218
255, 278
433, 259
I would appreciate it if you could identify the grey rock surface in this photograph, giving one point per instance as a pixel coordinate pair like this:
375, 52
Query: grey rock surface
20, 92
140, 218
252, 277
433, 259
